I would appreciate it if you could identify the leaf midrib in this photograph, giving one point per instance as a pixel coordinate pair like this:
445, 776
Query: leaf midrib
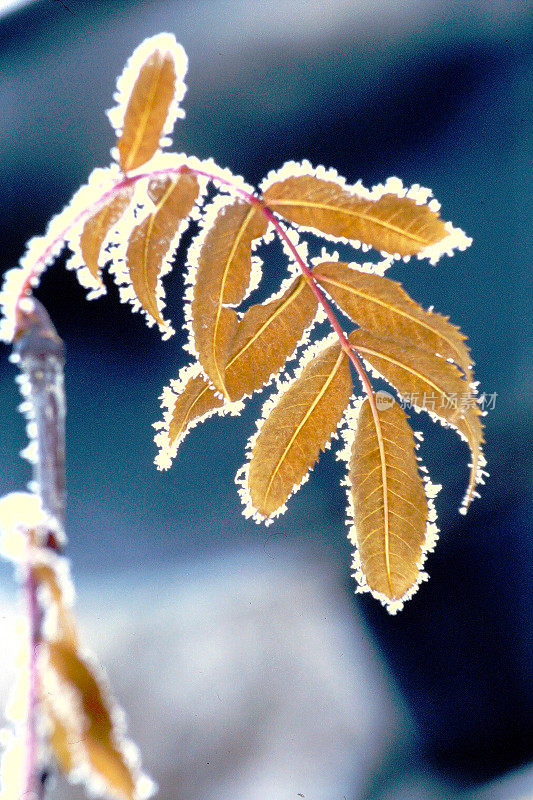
394, 309
356, 214
140, 129
220, 305
302, 423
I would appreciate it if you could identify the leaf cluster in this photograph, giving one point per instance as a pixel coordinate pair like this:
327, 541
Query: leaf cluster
130, 218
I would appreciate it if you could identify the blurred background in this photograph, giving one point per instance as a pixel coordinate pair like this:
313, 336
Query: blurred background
247, 666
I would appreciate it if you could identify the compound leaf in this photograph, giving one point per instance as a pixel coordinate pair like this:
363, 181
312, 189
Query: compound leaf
153, 241
382, 306
222, 279
387, 502
297, 429
388, 223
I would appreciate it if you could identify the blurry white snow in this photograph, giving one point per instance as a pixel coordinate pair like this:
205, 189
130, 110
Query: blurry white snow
250, 680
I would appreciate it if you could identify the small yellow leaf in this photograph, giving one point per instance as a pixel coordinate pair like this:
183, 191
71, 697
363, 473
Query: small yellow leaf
266, 337
388, 502
153, 241
67, 664
59, 739
222, 279
297, 428
383, 307
85, 735
147, 110
196, 400
98, 226
390, 223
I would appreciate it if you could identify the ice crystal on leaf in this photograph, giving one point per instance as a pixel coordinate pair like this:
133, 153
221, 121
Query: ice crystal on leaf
131, 217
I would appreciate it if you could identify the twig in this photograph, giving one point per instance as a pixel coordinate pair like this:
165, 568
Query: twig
38, 351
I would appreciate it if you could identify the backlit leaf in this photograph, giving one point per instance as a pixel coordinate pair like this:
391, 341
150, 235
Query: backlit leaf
388, 223
429, 382
222, 279
97, 228
383, 307
266, 337
388, 502
86, 736
297, 429
147, 110
153, 241
196, 400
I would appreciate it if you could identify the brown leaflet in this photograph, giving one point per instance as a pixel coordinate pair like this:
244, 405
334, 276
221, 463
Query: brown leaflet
98, 226
86, 736
296, 429
266, 337
432, 383
382, 306
388, 223
197, 400
222, 279
151, 242
387, 501
147, 111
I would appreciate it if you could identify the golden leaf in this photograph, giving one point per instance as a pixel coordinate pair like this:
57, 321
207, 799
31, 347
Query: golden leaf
67, 664
383, 307
387, 500
390, 223
266, 337
96, 727
155, 238
429, 382
297, 428
222, 279
196, 400
98, 226
147, 110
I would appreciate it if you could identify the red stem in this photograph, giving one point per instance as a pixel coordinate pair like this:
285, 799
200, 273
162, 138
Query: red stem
127, 180
345, 344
